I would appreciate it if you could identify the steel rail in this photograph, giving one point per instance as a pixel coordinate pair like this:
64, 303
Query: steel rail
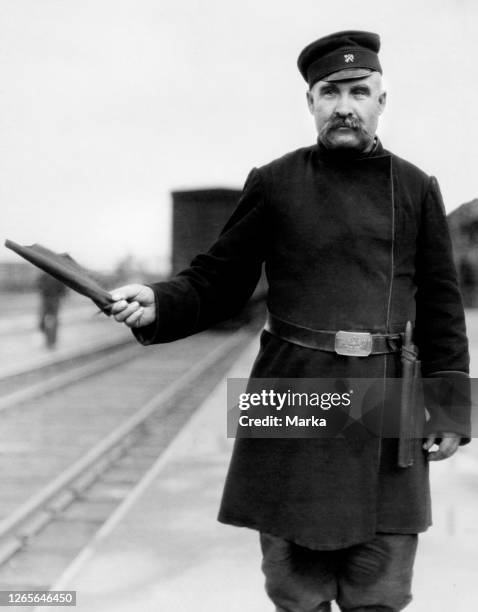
63, 356
124, 350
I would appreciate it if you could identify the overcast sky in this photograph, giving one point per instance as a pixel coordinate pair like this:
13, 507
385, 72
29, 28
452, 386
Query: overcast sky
108, 105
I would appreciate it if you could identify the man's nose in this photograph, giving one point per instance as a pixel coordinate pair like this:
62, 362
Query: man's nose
343, 106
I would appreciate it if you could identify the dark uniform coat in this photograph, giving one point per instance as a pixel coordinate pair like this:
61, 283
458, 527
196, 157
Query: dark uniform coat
356, 243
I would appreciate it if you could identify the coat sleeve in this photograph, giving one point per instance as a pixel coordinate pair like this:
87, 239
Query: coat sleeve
218, 283
440, 323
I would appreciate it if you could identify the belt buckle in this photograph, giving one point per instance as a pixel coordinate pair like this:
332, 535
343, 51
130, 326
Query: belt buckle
353, 344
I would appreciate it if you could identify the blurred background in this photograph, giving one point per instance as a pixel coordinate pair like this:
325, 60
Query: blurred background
109, 105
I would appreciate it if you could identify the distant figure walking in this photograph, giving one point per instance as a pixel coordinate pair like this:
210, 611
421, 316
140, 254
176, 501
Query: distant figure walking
51, 293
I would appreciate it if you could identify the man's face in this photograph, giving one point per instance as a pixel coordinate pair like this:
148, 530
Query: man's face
346, 112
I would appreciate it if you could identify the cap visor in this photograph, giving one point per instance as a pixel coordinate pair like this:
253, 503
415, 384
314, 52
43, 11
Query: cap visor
348, 73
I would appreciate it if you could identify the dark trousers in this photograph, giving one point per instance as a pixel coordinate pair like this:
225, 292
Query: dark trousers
372, 577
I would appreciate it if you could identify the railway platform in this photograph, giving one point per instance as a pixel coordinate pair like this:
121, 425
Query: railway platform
164, 550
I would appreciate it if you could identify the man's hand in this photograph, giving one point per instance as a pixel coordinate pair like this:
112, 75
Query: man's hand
134, 305
447, 445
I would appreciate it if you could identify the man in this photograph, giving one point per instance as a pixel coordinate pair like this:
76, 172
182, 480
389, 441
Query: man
354, 240
52, 291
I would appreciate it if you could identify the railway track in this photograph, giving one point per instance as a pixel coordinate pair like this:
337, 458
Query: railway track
71, 453
20, 384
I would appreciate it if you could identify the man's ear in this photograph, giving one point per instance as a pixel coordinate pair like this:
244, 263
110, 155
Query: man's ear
310, 100
382, 101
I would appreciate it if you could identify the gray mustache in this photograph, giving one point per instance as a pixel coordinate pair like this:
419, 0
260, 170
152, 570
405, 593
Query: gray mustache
348, 122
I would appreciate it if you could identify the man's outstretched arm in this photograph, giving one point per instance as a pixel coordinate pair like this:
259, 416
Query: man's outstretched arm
215, 287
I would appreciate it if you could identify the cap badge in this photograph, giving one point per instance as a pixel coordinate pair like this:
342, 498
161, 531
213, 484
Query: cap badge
349, 57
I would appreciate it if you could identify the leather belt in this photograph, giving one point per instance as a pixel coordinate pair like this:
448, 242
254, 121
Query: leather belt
352, 344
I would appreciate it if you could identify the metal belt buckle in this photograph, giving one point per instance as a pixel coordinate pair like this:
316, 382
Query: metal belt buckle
353, 344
